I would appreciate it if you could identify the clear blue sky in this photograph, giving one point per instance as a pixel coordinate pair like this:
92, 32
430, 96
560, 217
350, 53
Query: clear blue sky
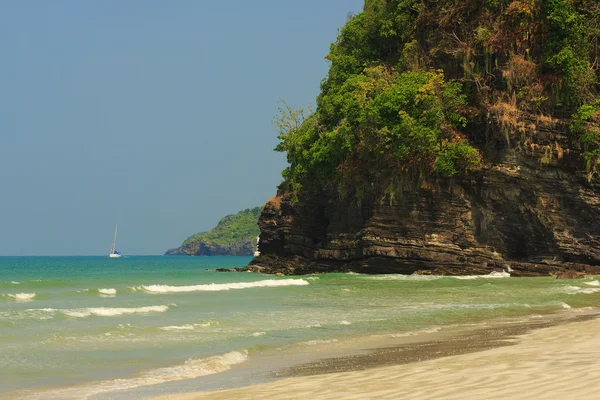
155, 115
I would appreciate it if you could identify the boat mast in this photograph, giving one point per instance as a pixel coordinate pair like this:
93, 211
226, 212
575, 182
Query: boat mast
113, 248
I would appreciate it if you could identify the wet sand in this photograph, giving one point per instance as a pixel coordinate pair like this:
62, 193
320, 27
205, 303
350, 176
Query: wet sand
558, 359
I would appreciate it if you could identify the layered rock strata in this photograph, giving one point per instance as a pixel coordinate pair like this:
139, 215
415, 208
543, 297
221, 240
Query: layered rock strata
531, 211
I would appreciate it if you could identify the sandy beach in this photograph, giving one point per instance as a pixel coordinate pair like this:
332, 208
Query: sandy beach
558, 362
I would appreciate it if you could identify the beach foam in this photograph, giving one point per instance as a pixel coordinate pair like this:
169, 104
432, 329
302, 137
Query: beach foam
21, 296
578, 290
217, 287
192, 368
400, 277
107, 292
493, 275
111, 312
557, 362
177, 328
433, 329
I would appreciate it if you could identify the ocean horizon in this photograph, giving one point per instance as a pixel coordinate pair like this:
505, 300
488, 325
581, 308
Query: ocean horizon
90, 327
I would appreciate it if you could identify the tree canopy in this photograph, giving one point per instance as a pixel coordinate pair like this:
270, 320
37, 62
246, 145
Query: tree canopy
408, 78
234, 231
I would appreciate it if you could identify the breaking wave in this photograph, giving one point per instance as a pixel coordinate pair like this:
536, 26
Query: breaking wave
50, 313
217, 287
401, 277
192, 368
112, 312
20, 296
579, 290
492, 274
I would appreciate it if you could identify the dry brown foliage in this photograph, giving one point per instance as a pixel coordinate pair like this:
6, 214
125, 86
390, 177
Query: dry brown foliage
519, 72
506, 113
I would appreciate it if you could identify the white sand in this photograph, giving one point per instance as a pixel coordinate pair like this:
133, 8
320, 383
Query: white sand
560, 362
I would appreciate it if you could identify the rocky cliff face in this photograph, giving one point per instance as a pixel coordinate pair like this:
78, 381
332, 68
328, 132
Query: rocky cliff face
531, 211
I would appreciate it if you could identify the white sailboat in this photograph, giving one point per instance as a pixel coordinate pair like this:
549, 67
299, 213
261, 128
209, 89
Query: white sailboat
113, 250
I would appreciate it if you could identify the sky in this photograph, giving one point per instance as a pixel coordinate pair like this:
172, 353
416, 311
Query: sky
156, 115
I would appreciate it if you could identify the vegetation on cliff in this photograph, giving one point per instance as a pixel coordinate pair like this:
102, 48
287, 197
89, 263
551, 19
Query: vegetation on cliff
235, 234
417, 88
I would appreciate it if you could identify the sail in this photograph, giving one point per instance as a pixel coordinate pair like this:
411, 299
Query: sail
113, 250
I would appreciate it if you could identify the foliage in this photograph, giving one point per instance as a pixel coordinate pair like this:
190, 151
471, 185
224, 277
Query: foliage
407, 75
586, 127
570, 42
232, 231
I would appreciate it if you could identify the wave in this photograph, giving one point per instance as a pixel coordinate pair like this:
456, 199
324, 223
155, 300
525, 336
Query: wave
191, 368
20, 296
218, 287
492, 274
43, 283
432, 329
107, 292
578, 290
316, 342
401, 277
187, 327
49, 313
593, 283
112, 312
9, 284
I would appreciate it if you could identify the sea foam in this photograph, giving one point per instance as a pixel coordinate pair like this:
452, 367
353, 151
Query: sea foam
192, 368
493, 274
107, 292
22, 296
579, 290
111, 312
402, 277
187, 327
217, 287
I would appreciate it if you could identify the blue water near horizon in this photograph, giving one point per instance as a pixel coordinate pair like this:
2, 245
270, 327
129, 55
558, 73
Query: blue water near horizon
94, 327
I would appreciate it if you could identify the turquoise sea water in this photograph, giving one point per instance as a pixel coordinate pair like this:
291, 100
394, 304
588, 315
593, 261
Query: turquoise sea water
92, 327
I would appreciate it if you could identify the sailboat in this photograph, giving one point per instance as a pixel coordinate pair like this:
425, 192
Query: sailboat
113, 250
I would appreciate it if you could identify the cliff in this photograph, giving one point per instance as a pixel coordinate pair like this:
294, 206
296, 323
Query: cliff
519, 215
234, 235
449, 138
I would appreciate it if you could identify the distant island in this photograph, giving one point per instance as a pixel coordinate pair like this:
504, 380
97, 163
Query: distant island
234, 235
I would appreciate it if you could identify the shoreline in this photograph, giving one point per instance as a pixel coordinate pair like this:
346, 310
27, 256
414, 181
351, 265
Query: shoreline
441, 362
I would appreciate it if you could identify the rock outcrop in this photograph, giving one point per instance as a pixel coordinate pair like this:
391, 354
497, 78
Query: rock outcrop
531, 211
448, 138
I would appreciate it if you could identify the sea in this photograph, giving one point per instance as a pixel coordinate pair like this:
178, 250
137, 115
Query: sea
100, 328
